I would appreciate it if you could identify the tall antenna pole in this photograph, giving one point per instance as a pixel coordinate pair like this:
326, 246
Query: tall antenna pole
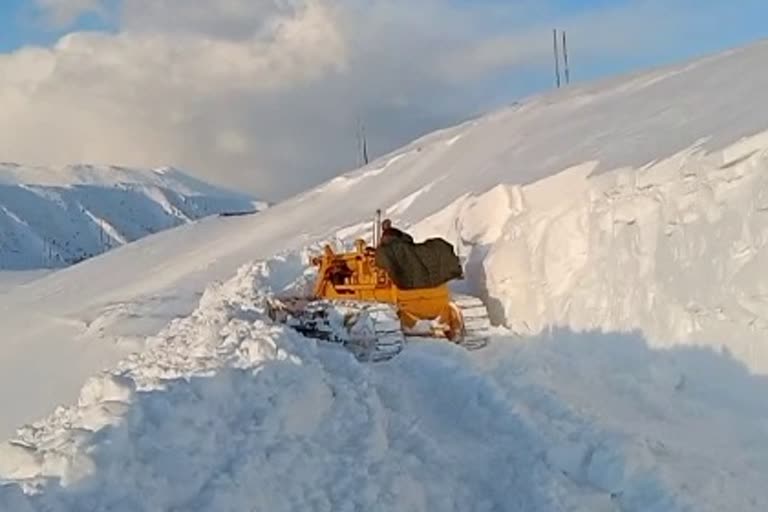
557, 58
565, 58
362, 141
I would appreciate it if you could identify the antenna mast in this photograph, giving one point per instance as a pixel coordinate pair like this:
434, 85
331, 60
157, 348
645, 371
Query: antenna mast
557, 58
565, 59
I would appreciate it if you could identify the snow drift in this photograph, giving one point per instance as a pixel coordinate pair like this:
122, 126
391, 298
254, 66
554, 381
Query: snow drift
53, 218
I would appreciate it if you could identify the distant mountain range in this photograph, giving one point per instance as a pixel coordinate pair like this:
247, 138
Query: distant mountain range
52, 218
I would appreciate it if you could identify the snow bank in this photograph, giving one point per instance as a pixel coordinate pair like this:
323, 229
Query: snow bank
678, 249
53, 218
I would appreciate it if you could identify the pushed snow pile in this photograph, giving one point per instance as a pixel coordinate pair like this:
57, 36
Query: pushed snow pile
53, 218
226, 411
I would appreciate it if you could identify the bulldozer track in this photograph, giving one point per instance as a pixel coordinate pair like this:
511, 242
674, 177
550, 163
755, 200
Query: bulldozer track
477, 323
372, 331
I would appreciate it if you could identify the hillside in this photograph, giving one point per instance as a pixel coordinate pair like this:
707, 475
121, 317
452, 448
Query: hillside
53, 218
617, 232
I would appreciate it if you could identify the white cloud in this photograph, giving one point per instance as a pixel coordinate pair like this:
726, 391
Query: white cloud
230, 19
265, 94
148, 98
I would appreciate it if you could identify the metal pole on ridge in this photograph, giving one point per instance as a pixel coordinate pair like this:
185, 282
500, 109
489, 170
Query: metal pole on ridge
557, 58
565, 59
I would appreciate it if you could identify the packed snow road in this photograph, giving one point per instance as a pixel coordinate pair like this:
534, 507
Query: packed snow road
227, 411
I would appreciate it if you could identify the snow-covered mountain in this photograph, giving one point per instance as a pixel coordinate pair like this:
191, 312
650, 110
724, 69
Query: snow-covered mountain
617, 232
52, 218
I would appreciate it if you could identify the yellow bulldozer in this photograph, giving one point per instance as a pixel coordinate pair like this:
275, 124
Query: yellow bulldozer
356, 302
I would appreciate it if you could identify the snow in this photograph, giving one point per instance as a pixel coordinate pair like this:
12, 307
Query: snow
617, 232
627, 250
11, 278
226, 411
52, 218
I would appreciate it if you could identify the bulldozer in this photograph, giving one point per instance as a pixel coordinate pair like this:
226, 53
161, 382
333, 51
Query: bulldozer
355, 302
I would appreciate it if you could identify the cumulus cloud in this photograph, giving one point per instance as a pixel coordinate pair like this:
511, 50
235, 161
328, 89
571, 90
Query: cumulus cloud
265, 94
230, 19
148, 97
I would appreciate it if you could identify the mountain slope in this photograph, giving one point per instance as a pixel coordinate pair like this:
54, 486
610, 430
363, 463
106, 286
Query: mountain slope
636, 204
56, 217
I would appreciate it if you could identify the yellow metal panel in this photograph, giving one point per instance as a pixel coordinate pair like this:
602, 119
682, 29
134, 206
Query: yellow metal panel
358, 278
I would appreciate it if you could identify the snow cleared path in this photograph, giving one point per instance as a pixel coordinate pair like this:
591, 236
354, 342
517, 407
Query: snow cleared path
228, 412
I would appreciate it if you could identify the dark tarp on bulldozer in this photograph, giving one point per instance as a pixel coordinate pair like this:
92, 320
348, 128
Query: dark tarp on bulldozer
423, 265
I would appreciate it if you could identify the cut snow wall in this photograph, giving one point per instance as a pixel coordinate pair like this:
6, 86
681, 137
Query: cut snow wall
677, 249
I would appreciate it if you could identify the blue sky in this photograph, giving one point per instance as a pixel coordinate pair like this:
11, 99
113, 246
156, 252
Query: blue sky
21, 24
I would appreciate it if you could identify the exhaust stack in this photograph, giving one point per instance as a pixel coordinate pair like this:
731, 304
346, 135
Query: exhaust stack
377, 229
